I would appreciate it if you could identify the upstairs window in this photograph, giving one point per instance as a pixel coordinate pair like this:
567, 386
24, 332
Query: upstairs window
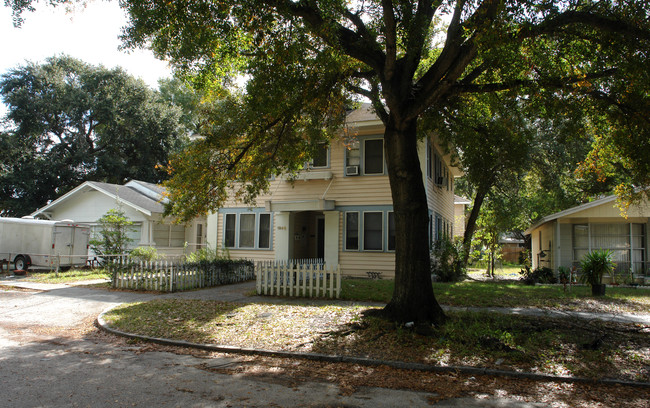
321, 158
373, 156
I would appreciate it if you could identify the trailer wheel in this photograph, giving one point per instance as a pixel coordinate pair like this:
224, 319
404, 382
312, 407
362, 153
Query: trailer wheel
20, 264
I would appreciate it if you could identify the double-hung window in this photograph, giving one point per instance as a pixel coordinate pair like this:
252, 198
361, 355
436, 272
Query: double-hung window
264, 238
247, 230
373, 231
352, 231
365, 157
373, 156
369, 231
321, 157
229, 230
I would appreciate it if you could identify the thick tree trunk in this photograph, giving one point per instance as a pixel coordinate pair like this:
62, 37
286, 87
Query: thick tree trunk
413, 299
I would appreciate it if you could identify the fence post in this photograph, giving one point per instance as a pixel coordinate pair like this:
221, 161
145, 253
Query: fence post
338, 281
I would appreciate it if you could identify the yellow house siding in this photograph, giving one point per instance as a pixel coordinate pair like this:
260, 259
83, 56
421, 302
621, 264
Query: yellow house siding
359, 263
459, 220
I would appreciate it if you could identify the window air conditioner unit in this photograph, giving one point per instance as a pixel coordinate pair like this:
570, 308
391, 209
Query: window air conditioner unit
352, 170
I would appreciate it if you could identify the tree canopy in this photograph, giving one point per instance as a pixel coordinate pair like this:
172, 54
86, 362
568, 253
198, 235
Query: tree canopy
304, 60
69, 122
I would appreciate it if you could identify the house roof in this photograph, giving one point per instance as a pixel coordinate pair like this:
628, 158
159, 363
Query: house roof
142, 196
461, 200
363, 113
570, 211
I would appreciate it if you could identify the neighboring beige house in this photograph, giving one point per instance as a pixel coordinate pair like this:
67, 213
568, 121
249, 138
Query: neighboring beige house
142, 203
460, 208
563, 238
339, 210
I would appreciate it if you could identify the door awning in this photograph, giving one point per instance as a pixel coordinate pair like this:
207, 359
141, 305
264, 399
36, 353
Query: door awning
300, 205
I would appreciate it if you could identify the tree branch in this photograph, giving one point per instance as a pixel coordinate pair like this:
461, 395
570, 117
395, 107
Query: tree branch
366, 50
568, 18
391, 39
559, 82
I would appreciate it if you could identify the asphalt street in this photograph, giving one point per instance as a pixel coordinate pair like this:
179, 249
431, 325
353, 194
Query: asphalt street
43, 365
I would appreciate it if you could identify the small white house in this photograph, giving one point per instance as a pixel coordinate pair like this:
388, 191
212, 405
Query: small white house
563, 238
142, 202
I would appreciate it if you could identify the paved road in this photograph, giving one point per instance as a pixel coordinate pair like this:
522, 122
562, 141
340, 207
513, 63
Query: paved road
41, 366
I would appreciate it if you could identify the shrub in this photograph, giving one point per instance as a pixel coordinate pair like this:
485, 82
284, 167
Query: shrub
595, 264
446, 262
208, 255
224, 271
564, 274
147, 254
539, 275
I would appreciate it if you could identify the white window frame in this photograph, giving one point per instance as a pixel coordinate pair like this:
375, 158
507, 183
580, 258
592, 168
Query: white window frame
327, 158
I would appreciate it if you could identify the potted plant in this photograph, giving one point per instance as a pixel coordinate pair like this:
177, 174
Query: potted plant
594, 265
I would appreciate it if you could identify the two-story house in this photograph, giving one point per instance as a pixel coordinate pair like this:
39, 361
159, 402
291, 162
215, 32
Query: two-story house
339, 209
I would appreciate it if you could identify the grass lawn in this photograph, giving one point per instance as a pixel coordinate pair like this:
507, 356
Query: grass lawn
74, 275
567, 346
510, 294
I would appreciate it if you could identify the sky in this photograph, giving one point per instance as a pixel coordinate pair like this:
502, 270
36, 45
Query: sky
88, 33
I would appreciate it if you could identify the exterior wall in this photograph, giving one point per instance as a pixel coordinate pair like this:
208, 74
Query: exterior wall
459, 220
362, 193
560, 232
90, 205
546, 234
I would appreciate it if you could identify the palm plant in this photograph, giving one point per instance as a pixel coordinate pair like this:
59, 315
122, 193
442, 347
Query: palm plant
595, 264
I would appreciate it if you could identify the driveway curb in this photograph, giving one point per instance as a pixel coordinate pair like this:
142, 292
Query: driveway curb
103, 325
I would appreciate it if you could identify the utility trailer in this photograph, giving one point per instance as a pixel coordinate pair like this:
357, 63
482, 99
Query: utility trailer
43, 244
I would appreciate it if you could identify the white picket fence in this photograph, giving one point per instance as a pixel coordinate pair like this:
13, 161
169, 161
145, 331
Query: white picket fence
166, 276
300, 279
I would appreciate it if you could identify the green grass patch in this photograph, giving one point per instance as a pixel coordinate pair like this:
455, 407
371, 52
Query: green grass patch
538, 344
509, 294
74, 275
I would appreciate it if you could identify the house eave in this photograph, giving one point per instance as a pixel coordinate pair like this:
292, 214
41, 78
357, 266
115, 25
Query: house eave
300, 205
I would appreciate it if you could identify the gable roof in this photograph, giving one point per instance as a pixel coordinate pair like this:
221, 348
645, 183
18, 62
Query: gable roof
570, 211
142, 196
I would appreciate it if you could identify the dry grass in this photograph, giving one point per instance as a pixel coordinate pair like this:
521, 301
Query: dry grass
543, 345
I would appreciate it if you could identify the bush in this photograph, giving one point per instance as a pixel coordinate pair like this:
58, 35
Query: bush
224, 271
208, 255
539, 275
446, 262
594, 265
147, 254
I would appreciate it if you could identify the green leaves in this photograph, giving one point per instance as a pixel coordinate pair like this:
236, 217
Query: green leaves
69, 122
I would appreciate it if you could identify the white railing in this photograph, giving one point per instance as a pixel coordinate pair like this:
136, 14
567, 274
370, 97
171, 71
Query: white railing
290, 278
166, 276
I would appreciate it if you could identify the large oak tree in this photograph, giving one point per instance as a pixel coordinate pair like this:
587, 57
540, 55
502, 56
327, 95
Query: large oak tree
410, 59
70, 122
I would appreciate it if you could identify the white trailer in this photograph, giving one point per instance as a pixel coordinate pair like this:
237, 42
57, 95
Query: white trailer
43, 244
